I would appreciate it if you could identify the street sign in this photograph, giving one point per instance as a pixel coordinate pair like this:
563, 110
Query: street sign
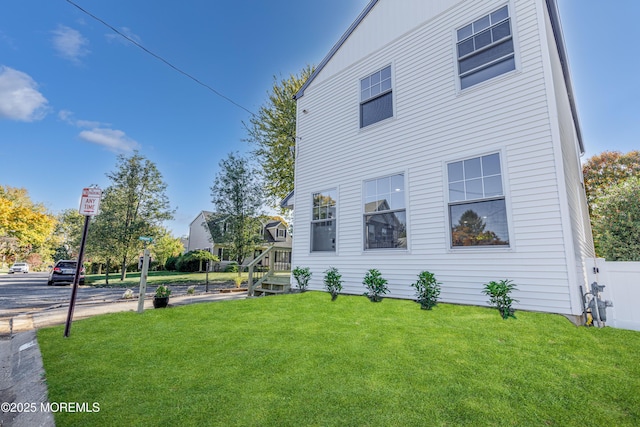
90, 201
145, 238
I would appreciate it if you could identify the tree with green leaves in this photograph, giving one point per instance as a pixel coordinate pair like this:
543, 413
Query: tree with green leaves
134, 205
607, 169
604, 178
273, 131
237, 197
164, 247
68, 234
616, 221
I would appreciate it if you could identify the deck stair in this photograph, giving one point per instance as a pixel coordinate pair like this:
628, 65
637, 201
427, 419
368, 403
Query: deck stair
274, 285
269, 274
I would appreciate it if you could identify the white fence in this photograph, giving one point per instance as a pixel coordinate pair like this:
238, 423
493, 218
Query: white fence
622, 281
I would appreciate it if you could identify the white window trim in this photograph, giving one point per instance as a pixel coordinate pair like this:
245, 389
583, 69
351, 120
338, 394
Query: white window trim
507, 200
311, 220
516, 51
393, 97
363, 198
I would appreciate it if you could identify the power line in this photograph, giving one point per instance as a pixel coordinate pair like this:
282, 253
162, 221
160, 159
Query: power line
160, 58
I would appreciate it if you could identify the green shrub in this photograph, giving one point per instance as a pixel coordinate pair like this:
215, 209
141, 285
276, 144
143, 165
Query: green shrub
163, 291
333, 282
427, 290
376, 285
232, 267
302, 276
170, 265
186, 263
499, 296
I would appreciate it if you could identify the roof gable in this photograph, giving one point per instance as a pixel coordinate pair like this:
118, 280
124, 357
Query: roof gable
433, 6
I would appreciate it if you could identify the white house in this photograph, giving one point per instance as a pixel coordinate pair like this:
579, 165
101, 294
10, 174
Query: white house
200, 237
442, 135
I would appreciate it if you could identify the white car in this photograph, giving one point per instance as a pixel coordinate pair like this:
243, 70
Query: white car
19, 267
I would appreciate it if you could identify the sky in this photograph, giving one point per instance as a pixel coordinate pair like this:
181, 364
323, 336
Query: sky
74, 94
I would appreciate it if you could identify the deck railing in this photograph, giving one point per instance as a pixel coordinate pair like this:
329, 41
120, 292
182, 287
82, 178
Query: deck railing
274, 260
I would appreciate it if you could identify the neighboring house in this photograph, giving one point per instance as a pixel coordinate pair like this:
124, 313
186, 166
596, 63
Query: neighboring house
200, 237
442, 135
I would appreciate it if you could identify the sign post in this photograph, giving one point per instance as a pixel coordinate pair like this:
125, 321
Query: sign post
89, 204
145, 272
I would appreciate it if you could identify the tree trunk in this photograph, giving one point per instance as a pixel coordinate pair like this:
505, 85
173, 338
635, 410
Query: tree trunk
99, 268
123, 275
106, 275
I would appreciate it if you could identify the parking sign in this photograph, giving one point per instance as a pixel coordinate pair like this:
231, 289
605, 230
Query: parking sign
90, 201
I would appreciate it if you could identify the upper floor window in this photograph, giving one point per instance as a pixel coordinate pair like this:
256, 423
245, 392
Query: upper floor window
281, 233
485, 48
376, 101
385, 216
323, 222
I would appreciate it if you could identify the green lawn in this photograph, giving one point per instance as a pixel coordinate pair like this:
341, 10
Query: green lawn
160, 277
302, 360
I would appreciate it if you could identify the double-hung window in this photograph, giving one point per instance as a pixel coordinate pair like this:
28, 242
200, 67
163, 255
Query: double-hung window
323, 222
485, 48
477, 210
376, 100
385, 217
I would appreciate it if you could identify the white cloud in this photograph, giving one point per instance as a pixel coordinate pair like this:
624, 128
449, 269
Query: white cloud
68, 117
70, 44
113, 139
19, 96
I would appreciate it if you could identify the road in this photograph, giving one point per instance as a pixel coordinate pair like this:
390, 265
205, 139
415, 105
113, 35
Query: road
24, 293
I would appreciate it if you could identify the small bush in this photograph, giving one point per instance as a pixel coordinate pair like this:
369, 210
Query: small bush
170, 265
427, 290
333, 282
191, 290
499, 296
375, 284
187, 263
232, 267
302, 276
163, 291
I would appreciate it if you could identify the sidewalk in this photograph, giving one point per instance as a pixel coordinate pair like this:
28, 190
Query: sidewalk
22, 378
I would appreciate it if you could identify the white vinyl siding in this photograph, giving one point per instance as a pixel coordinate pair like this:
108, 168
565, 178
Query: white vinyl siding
433, 124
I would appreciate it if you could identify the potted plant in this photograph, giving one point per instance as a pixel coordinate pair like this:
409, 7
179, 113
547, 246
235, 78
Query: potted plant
375, 284
161, 297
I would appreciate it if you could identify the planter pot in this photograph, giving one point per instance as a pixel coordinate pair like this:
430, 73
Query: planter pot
160, 302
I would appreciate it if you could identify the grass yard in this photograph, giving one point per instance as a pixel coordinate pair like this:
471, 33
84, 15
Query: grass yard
160, 277
302, 360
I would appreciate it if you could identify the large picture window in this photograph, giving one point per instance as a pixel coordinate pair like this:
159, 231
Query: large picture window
477, 209
385, 217
485, 48
376, 100
323, 222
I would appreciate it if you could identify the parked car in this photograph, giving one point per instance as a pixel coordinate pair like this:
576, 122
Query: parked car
64, 271
19, 267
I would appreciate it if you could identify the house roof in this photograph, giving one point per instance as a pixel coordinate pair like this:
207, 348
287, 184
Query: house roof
335, 48
557, 33
287, 202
